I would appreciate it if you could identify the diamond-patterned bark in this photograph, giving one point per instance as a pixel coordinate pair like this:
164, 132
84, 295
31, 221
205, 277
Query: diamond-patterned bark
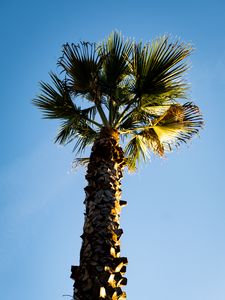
101, 270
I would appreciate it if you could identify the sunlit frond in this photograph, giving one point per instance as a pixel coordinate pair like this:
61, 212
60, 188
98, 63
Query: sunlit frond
155, 110
178, 125
152, 141
135, 151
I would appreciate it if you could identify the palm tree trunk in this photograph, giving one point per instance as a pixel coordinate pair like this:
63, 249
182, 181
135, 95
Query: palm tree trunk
101, 269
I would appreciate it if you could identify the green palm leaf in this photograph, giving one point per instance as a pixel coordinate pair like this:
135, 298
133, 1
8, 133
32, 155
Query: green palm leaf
66, 132
135, 151
115, 52
85, 136
158, 68
55, 101
81, 64
79, 130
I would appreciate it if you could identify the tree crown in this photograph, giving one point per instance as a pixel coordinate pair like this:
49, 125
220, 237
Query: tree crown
128, 86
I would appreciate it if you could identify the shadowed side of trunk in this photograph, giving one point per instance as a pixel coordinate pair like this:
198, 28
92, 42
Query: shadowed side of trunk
101, 270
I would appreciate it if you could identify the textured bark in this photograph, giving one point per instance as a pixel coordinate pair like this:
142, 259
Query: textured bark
101, 270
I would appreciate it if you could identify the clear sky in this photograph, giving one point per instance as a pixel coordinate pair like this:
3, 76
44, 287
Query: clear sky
174, 223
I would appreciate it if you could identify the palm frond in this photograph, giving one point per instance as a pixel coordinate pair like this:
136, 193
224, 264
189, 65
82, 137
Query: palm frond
158, 68
178, 125
79, 131
66, 132
135, 151
155, 111
81, 63
133, 120
152, 141
90, 112
55, 101
115, 52
85, 136
80, 162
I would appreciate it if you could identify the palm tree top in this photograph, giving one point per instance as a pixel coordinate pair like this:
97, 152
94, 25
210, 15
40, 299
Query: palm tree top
128, 86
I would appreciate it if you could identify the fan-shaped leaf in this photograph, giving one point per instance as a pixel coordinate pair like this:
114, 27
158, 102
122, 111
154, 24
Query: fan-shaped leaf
81, 63
135, 150
55, 101
178, 124
158, 68
115, 52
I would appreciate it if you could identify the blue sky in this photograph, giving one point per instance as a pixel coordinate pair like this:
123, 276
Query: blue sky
174, 223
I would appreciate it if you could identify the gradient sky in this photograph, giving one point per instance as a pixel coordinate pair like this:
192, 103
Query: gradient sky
174, 223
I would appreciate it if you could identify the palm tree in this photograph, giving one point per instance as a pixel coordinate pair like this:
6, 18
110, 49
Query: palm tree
122, 98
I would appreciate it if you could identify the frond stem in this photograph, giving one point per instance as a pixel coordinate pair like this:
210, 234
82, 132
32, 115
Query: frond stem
122, 115
102, 115
93, 122
126, 131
